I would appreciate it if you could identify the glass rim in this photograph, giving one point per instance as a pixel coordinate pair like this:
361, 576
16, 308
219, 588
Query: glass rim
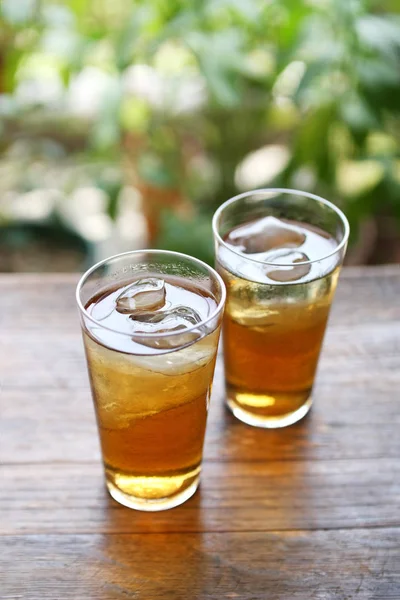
333, 207
146, 335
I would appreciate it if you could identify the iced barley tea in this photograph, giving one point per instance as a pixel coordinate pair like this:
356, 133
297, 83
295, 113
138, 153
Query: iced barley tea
151, 394
278, 302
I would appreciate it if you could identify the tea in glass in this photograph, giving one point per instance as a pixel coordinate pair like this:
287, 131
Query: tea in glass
279, 253
151, 334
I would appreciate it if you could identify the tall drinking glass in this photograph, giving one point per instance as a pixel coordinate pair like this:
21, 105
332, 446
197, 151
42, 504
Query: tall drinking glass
150, 322
279, 253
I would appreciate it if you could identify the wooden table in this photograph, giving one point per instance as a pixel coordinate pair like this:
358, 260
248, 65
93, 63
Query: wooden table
310, 512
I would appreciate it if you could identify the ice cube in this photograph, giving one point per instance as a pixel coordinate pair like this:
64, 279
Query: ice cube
177, 319
143, 294
265, 234
286, 272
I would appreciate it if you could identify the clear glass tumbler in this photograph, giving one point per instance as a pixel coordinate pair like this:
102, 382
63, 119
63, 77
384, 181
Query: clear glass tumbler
279, 253
151, 321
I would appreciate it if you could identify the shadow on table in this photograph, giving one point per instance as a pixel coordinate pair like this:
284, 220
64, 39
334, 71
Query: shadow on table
240, 560
169, 553
230, 439
253, 481
264, 479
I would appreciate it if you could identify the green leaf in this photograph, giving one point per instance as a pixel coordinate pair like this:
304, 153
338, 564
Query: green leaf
311, 74
357, 178
79, 7
358, 114
18, 12
132, 34
247, 12
135, 115
381, 33
152, 168
106, 131
13, 58
311, 141
220, 60
380, 84
374, 72
190, 236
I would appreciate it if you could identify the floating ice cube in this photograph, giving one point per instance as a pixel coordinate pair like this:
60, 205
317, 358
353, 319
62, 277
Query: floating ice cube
286, 272
177, 319
265, 234
143, 294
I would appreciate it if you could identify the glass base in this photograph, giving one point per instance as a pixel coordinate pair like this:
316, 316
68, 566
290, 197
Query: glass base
153, 504
268, 421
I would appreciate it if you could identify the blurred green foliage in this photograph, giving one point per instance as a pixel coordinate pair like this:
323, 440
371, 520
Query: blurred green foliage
176, 95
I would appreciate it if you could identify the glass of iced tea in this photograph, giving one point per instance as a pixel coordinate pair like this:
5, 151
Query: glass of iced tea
279, 253
151, 322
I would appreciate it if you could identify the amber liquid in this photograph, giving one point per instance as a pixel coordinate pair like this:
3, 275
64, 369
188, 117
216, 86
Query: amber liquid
151, 413
272, 340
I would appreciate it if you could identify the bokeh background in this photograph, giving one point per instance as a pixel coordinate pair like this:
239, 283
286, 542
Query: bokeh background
125, 124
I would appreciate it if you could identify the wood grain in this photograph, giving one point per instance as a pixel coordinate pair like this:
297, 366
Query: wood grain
309, 512
244, 496
321, 565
